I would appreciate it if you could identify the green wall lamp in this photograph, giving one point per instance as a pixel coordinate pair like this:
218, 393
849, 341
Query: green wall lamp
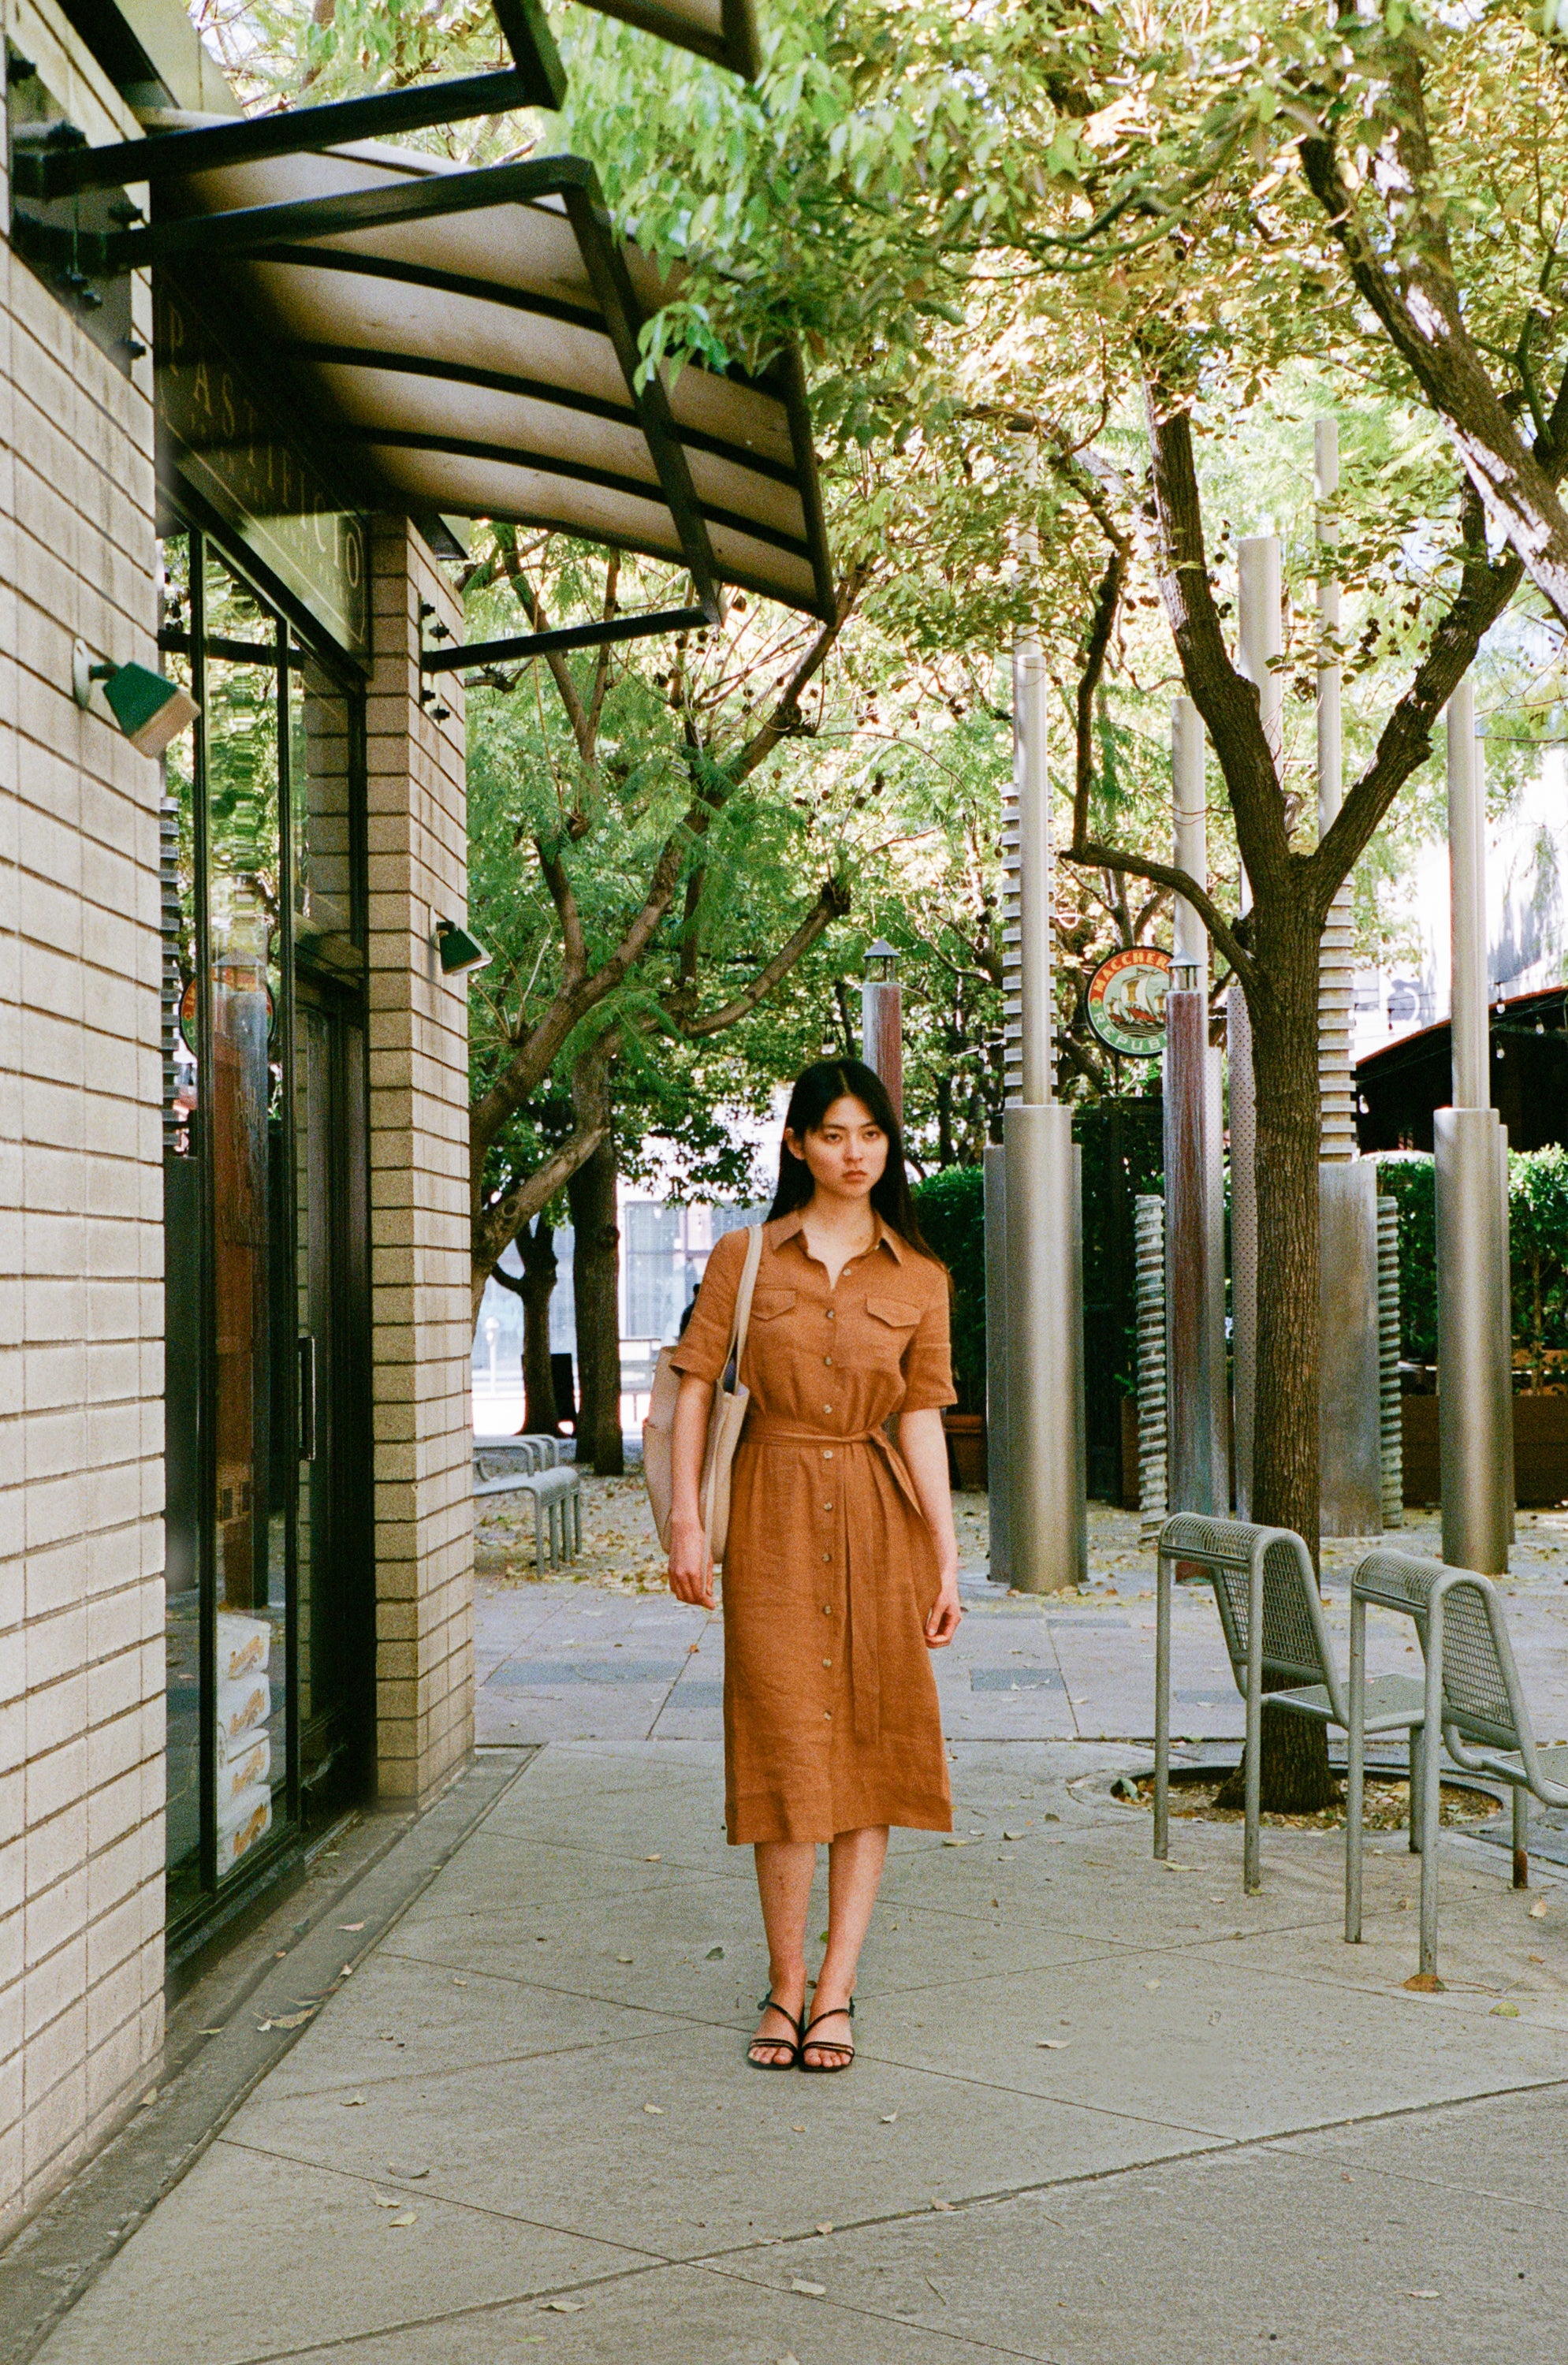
151, 710
458, 951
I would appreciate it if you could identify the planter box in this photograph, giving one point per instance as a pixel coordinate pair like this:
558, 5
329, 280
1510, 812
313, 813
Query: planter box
967, 1448
1540, 1451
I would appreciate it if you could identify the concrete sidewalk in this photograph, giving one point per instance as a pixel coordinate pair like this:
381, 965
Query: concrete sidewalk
1106, 2112
576, 1661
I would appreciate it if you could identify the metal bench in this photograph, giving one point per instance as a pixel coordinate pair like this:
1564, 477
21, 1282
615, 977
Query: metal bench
1266, 1591
558, 1509
1474, 1697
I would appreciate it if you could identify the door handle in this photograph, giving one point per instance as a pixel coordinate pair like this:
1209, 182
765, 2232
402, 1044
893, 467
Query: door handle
306, 1397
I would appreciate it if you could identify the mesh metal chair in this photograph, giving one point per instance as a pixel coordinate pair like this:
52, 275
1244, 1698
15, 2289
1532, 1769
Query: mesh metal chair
1474, 1697
1266, 1591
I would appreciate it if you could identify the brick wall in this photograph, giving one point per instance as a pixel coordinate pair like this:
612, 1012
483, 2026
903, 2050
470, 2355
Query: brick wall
81, 1227
418, 1186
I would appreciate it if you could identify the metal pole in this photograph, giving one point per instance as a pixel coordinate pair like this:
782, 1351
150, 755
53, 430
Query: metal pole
1474, 1349
996, 1327
1048, 1536
1336, 971
1260, 640
1149, 1219
1196, 1477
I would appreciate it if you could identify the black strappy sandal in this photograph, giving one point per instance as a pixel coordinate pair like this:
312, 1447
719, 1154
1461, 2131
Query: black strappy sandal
826, 2044
777, 2044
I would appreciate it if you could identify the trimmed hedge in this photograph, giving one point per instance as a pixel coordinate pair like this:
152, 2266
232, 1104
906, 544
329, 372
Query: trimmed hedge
951, 1207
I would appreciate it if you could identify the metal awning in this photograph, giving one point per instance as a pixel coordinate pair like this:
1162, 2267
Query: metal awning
466, 342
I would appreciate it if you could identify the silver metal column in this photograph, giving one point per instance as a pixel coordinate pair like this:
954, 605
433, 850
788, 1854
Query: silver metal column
1047, 1533
1149, 1220
1350, 1403
1197, 1477
1389, 1402
1260, 640
996, 1327
1475, 1403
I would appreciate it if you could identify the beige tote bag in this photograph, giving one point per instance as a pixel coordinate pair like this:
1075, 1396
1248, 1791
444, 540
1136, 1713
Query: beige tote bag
725, 1419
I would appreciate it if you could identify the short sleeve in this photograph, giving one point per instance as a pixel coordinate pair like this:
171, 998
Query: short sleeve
705, 1348
927, 1360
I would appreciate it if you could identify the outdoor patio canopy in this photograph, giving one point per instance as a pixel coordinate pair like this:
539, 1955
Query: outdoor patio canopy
466, 343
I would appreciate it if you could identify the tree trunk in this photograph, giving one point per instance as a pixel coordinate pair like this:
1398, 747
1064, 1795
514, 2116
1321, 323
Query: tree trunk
535, 1245
1283, 1011
596, 1271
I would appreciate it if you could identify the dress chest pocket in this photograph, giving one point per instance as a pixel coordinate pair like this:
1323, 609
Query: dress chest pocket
891, 1324
767, 1304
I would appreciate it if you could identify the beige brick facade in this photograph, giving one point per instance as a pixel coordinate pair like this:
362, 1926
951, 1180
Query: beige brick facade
419, 1190
81, 1228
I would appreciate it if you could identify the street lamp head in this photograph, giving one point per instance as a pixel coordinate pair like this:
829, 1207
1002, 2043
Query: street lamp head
149, 709
881, 962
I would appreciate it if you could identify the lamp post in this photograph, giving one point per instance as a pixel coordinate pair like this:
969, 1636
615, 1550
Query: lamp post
882, 1021
1475, 1403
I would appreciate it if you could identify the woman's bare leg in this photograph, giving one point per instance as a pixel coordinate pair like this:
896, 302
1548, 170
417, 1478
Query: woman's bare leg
855, 1874
784, 1874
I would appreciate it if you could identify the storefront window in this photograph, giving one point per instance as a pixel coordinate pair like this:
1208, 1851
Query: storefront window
262, 1180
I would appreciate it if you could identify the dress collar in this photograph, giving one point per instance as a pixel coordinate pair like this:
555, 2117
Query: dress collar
788, 1227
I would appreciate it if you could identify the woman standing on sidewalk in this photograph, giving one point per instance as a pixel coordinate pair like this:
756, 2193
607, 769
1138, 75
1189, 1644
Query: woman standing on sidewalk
841, 1570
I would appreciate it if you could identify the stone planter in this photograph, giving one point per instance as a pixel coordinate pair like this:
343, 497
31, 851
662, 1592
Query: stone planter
966, 1445
1540, 1451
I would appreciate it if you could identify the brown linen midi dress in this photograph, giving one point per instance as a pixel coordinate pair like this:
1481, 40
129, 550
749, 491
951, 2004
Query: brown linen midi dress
831, 1718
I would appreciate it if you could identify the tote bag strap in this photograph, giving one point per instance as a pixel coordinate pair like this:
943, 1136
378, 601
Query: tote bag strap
739, 1320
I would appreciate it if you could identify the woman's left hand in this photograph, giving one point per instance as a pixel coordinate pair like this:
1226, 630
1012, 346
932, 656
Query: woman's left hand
943, 1622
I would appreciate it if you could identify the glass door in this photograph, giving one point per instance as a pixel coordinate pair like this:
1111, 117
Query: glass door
267, 1324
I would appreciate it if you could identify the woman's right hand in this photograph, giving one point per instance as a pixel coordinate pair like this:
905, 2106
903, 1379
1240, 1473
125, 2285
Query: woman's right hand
690, 1564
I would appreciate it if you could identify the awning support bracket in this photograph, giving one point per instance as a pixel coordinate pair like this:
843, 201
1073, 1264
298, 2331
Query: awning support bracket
520, 647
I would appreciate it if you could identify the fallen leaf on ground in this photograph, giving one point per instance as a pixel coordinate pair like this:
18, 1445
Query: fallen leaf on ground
655, 2110
888, 2117
566, 2306
1424, 1983
388, 2200
459, 1983
290, 2020
653, 1859
408, 2220
1151, 1985
351, 1925
209, 2031
347, 1973
825, 2229
354, 2102
1538, 1911
715, 1953
796, 2131
1423, 2295
955, 1843
945, 2206
1505, 2011
1015, 1835
1053, 2043
809, 2290
413, 2174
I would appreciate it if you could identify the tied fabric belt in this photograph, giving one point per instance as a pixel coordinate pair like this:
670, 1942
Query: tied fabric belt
865, 1685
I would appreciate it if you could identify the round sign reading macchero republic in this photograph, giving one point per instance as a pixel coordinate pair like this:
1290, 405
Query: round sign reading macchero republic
1126, 1001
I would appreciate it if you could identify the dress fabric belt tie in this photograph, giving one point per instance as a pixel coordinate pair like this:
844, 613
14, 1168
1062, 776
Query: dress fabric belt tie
865, 1678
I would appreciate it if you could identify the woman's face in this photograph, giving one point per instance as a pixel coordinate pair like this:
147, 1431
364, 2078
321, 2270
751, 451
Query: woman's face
847, 1153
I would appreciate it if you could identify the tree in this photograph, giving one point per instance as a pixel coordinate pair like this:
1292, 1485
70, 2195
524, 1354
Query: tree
636, 827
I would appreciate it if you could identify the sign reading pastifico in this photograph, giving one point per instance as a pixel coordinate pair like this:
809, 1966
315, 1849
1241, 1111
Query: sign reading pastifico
1126, 1001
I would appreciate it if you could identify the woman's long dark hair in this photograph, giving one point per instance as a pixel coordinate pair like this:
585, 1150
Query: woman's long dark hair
824, 1081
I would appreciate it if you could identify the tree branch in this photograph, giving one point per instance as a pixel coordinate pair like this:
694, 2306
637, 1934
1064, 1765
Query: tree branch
1416, 298
1405, 742
784, 721
1228, 701
832, 903
1095, 855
